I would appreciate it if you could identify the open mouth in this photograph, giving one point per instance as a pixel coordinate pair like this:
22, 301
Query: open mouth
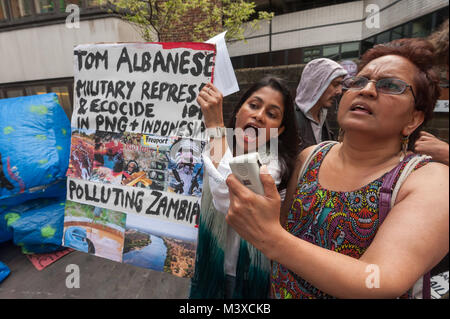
251, 133
360, 108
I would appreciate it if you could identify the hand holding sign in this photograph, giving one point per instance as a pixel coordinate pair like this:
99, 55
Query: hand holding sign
210, 100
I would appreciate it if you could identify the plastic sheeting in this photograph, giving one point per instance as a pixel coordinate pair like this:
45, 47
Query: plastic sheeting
4, 271
34, 147
34, 156
36, 226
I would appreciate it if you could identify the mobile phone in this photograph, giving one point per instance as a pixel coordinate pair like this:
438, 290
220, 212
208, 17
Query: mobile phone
246, 168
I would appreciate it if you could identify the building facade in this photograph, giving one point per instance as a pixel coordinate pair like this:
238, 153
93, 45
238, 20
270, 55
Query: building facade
305, 30
37, 37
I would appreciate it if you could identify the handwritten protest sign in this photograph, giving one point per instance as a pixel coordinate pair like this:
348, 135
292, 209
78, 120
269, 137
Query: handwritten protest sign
135, 175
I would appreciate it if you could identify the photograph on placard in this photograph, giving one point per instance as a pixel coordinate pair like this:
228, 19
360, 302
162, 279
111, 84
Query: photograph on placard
186, 167
160, 245
81, 161
108, 158
94, 230
145, 163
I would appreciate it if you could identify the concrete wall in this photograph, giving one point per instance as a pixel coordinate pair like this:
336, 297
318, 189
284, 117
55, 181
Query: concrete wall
400, 12
46, 52
331, 24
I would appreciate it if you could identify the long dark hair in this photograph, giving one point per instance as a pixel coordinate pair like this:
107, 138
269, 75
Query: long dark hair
288, 141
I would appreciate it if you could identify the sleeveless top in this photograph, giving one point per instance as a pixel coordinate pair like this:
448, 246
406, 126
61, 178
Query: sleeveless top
345, 222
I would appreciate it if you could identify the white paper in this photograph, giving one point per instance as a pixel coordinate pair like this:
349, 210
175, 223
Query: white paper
224, 76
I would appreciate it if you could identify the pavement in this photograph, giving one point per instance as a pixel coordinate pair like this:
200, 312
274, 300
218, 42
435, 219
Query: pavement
99, 278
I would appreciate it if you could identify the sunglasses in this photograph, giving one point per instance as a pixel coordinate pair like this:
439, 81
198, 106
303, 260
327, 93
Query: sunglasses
387, 86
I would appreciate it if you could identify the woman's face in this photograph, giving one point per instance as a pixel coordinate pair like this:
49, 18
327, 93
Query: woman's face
263, 110
382, 114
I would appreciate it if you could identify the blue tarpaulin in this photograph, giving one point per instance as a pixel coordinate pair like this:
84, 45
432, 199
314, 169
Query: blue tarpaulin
34, 156
36, 225
4, 271
34, 147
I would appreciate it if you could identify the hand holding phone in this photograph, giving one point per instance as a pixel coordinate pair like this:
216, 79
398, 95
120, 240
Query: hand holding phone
246, 169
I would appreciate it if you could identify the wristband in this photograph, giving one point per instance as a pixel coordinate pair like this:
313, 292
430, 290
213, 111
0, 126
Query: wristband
216, 132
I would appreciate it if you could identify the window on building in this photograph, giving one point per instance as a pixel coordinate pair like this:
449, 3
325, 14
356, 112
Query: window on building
397, 33
263, 59
383, 37
236, 62
331, 51
349, 50
3, 10
422, 27
287, 6
407, 30
367, 44
250, 61
35, 90
14, 92
20, 8
279, 57
64, 98
44, 6
295, 56
439, 17
2, 95
310, 54
64, 3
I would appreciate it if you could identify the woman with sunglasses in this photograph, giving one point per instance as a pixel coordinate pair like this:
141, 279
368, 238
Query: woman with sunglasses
333, 240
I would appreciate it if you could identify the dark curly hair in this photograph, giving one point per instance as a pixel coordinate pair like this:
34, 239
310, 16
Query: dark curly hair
421, 53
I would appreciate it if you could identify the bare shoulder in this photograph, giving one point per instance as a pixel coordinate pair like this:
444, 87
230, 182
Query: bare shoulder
428, 183
301, 158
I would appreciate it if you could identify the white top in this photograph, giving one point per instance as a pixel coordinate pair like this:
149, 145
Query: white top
221, 199
318, 126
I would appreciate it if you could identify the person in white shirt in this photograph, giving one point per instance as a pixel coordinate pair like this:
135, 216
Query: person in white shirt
227, 266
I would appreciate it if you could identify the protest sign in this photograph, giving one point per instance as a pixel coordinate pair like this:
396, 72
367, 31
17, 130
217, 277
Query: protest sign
135, 175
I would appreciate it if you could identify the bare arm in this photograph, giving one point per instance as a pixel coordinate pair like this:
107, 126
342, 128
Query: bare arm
292, 185
210, 100
412, 239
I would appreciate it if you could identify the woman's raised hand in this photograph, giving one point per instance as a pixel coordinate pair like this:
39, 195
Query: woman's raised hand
210, 100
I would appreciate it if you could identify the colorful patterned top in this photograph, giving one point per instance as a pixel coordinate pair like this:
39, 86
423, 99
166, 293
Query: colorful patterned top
345, 222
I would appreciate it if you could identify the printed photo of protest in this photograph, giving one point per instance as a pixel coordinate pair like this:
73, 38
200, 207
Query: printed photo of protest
145, 162
108, 158
94, 230
186, 167
160, 245
81, 154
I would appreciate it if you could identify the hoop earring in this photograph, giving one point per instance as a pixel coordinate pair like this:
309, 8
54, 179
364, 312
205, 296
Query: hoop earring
341, 135
405, 142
